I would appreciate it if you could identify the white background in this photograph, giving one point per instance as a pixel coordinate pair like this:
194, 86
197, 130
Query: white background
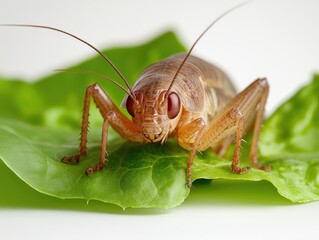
275, 39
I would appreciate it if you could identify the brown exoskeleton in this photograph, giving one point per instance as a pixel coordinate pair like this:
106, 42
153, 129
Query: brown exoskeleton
182, 96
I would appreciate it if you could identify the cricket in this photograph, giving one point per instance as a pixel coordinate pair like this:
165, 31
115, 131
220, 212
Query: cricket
182, 96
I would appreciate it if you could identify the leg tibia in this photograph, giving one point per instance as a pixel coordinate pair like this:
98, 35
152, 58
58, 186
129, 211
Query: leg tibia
189, 136
231, 120
112, 116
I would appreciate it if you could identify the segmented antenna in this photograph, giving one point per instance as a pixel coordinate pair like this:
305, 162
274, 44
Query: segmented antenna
200, 36
96, 75
81, 40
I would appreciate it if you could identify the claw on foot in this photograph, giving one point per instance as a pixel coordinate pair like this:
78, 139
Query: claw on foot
71, 159
264, 168
239, 170
189, 183
98, 167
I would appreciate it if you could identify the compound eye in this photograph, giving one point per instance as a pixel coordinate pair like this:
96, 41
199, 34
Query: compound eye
130, 105
173, 105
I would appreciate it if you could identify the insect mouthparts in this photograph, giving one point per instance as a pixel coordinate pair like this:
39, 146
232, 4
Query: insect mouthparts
153, 137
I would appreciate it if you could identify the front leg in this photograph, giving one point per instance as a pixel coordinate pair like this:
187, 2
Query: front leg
189, 137
112, 116
196, 136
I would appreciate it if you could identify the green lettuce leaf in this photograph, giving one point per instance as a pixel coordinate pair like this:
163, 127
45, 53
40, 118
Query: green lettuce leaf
40, 122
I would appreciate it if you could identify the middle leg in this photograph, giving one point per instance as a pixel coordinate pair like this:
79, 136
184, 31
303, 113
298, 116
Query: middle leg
232, 119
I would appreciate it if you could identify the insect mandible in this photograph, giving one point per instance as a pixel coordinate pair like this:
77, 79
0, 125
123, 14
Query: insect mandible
182, 96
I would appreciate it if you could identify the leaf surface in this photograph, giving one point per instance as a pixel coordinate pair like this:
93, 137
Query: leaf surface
40, 123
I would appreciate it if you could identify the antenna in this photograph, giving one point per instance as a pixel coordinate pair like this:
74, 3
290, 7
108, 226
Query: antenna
96, 75
81, 40
200, 36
